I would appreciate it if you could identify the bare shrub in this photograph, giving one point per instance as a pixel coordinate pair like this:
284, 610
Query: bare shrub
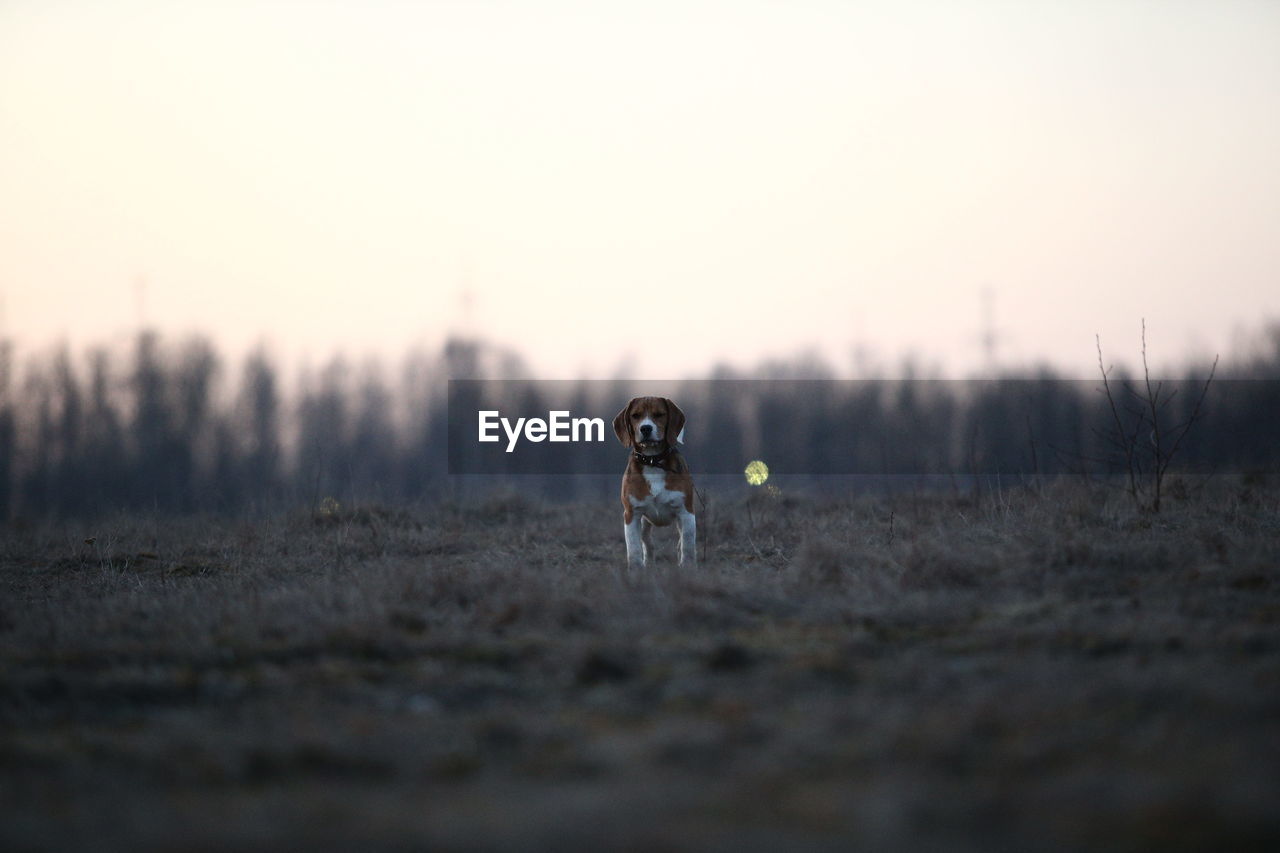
1146, 445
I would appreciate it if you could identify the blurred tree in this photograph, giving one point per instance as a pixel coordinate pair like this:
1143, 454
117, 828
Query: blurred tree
40, 449
322, 466
70, 473
374, 450
8, 432
151, 430
107, 463
258, 427
158, 458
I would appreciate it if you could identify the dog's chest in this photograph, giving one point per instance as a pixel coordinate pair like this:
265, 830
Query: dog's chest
662, 504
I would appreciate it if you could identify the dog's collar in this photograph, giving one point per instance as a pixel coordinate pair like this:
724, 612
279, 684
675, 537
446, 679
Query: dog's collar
656, 459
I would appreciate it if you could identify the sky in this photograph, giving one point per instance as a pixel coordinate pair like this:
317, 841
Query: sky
644, 188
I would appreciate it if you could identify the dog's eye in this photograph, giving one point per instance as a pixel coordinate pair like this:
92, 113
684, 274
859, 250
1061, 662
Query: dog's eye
659, 416
636, 416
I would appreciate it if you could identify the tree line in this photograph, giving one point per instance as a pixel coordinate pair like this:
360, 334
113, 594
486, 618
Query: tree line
169, 426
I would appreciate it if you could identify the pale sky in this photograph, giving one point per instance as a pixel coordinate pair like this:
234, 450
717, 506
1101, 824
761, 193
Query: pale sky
655, 185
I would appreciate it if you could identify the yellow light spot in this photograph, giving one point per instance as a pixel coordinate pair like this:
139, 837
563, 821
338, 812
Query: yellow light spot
757, 472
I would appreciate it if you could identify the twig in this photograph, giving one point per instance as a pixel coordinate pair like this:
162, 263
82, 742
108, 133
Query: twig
1127, 447
1153, 400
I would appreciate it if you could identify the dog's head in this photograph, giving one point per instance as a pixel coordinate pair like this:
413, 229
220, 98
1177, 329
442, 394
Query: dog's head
650, 422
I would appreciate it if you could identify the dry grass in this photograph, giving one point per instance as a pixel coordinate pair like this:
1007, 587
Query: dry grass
1025, 671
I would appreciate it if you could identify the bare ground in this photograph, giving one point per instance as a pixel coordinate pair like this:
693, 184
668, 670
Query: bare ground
1015, 671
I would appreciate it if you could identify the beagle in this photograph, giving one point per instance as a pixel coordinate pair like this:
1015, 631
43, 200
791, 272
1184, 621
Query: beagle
656, 487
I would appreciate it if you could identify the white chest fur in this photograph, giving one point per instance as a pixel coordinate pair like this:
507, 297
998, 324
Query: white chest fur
661, 505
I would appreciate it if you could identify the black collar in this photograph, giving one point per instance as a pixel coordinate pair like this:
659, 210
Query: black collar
656, 459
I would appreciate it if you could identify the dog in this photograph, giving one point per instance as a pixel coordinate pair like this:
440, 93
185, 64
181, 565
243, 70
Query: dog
657, 488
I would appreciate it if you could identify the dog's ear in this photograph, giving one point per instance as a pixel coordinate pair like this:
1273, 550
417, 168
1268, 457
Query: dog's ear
675, 423
622, 427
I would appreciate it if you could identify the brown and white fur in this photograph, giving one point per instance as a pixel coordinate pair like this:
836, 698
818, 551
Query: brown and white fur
657, 488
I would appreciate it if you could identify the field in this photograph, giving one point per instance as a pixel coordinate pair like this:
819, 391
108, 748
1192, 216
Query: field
1013, 670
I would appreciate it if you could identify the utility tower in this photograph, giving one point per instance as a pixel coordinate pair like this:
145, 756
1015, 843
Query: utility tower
990, 335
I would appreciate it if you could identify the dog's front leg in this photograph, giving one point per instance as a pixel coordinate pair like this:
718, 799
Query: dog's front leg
688, 538
635, 543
